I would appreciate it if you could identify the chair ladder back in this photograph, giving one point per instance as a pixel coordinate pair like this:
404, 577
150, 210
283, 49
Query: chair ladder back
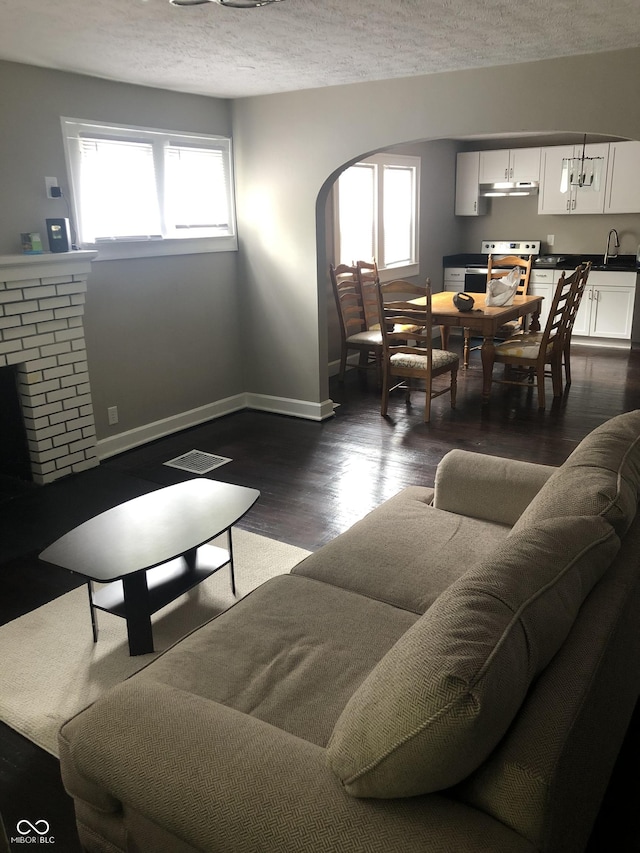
368, 279
346, 291
501, 267
561, 305
575, 305
404, 319
585, 269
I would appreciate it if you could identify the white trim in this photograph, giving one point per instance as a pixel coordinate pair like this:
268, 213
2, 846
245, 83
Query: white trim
130, 439
381, 161
122, 250
167, 426
46, 264
287, 406
616, 343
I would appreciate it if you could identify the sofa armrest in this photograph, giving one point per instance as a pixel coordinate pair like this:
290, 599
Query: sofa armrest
219, 779
487, 487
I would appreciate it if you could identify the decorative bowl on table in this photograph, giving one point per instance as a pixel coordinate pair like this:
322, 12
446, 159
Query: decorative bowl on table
463, 301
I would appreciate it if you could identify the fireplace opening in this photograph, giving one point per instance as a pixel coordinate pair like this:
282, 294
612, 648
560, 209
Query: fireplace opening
14, 451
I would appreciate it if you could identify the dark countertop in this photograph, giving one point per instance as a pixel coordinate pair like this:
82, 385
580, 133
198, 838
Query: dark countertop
623, 263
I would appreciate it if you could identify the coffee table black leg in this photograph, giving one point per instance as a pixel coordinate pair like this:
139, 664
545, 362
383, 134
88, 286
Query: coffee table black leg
92, 610
230, 549
136, 602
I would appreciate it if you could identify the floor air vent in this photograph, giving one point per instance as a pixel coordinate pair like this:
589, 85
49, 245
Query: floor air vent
197, 462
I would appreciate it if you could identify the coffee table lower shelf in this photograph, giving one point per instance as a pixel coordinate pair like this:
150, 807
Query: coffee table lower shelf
136, 597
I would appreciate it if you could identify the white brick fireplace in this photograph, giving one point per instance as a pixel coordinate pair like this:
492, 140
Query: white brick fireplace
41, 333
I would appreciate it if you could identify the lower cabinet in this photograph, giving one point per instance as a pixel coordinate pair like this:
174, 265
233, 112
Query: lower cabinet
542, 283
454, 279
606, 310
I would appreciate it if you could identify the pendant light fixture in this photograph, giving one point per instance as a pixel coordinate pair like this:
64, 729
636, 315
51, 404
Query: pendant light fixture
233, 4
582, 172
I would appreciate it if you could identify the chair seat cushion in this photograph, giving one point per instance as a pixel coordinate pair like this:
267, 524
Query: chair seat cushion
444, 695
372, 337
439, 358
520, 346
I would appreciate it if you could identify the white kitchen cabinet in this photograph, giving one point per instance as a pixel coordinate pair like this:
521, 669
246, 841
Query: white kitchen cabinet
454, 279
606, 310
623, 178
515, 164
542, 283
468, 200
577, 199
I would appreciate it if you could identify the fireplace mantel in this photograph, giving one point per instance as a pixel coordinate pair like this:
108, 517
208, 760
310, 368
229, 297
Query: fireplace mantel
42, 336
20, 267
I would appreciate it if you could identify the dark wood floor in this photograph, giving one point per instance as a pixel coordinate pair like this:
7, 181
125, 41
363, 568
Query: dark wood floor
316, 479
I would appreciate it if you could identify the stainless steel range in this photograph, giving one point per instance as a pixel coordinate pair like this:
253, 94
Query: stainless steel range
475, 275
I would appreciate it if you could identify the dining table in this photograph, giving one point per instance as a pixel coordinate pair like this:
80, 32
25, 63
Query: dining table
484, 320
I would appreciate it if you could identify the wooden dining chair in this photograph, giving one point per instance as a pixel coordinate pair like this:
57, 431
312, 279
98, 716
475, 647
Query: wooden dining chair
493, 272
354, 334
577, 299
414, 358
530, 357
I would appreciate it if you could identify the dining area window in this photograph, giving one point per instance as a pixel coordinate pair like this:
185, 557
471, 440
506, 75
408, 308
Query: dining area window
376, 214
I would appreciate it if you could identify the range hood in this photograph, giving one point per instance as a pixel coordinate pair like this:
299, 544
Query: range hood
509, 188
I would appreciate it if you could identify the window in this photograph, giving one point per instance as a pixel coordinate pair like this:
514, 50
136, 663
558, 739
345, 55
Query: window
140, 191
376, 214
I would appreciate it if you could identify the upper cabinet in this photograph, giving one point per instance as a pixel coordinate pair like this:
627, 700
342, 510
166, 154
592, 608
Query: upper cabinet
513, 165
468, 201
623, 178
576, 199
618, 191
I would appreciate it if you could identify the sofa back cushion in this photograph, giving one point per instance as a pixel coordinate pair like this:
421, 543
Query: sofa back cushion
600, 477
439, 701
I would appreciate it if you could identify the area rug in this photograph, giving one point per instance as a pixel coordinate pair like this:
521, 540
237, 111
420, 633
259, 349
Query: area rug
51, 668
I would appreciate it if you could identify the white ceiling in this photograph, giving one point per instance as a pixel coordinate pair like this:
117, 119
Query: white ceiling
301, 44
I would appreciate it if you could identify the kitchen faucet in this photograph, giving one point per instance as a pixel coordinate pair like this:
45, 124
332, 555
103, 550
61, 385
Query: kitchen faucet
616, 246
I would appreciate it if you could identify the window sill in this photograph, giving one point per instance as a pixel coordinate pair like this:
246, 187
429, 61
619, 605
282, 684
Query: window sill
392, 273
160, 248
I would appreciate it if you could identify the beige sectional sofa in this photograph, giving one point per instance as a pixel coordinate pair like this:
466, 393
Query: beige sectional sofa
454, 673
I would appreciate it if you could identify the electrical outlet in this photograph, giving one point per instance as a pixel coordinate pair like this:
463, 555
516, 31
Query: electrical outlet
112, 415
49, 183
551, 239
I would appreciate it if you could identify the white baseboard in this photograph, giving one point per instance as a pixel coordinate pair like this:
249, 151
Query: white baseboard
167, 426
294, 408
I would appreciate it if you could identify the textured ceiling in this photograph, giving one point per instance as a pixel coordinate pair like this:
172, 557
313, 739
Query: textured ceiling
301, 44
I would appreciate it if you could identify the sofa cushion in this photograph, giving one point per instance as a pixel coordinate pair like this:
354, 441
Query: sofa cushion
440, 700
405, 552
291, 653
600, 477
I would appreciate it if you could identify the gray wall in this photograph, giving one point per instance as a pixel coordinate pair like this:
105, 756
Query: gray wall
157, 330
289, 148
320, 130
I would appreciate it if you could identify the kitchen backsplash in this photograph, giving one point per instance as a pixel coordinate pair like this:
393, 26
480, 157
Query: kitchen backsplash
517, 218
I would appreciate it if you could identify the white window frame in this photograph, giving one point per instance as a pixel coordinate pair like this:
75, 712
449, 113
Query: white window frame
386, 271
166, 243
